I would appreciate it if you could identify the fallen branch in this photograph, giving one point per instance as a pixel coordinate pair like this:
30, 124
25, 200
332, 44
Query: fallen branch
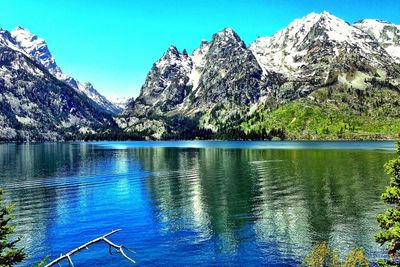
118, 249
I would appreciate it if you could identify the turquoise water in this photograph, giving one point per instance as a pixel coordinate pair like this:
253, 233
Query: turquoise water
196, 203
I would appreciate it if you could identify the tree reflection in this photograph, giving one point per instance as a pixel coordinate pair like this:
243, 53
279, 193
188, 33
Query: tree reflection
292, 199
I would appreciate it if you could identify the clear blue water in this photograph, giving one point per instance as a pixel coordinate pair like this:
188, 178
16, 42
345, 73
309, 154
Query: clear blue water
195, 203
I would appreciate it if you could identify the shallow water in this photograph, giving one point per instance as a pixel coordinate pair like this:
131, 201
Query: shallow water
196, 203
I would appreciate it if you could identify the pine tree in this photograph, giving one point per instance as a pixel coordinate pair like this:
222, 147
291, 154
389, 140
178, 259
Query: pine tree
389, 221
9, 254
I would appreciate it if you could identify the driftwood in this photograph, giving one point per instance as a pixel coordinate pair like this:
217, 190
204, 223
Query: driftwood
118, 249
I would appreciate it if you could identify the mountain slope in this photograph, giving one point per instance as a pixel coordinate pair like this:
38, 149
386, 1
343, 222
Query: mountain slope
329, 113
34, 105
37, 48
320, 50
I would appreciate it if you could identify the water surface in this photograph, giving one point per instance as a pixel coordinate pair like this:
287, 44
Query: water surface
196, 203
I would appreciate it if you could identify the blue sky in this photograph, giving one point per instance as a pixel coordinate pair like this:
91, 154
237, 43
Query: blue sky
113, 44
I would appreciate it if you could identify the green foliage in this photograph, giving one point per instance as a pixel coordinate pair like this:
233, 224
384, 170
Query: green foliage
333, 113
389, 221
42, 262
355, 258
384, 263
9, 254
323, 255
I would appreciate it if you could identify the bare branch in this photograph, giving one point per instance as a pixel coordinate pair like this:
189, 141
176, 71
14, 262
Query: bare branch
118, 249
70, 261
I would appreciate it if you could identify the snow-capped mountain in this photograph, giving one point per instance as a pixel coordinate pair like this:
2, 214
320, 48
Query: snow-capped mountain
35, 105
224, 86
322, 49
120, 101
37, 48
386, 33
223, 81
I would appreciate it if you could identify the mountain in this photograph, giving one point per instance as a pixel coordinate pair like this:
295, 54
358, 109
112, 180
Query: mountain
166, 84
320, 50
35, 105
213, 86
227, 88
230, 79
38, 49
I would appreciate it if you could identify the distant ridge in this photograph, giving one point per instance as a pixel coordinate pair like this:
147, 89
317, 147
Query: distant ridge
35, 105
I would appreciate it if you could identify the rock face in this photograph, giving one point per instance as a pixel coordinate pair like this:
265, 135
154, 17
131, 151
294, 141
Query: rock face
386, 33
37, 48
229, 82
35, 105
214, 85
166, 85
230, 74
223, 82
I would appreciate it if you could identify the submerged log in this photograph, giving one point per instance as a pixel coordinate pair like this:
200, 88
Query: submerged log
118, 249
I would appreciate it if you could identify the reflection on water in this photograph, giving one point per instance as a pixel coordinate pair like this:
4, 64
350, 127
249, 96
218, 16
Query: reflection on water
184, 204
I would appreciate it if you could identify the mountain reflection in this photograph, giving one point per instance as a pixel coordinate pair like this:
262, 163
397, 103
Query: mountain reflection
290, 198
214, 205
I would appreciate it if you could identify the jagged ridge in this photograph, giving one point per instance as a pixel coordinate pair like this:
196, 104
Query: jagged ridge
37, 48
224, 82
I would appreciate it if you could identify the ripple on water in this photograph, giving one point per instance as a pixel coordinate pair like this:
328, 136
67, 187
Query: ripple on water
196, 203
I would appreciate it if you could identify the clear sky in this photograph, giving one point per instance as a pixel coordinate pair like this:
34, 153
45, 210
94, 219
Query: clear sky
113, 44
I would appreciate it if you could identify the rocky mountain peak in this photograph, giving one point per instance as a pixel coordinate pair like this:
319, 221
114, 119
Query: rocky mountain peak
228, 32
309, 46
173, 53
172, 50
37, 48
314, 27
7, 41
19, 28
383, 31
172, 57
227, 37
203, 44
315, 17
228, 74
165, 85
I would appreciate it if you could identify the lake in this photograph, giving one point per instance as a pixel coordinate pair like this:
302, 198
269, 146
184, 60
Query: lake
197, 203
